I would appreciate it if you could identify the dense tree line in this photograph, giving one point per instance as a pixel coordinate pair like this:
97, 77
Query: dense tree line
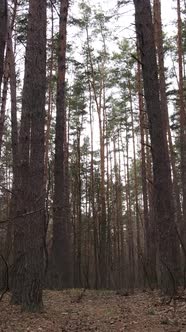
93, 149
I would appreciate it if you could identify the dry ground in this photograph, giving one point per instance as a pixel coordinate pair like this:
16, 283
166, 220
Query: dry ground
102, 311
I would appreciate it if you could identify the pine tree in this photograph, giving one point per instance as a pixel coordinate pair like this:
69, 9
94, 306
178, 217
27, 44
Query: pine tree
167, 240
61, 274
29, 236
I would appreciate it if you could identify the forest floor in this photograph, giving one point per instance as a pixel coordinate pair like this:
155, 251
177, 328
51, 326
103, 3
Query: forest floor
103, 311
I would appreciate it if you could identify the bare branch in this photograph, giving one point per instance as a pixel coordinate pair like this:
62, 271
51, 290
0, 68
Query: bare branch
20, 216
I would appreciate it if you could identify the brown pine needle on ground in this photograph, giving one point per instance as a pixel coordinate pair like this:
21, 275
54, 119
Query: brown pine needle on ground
102, 311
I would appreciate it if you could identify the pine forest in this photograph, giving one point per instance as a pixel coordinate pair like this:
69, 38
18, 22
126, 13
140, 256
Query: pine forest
93, 165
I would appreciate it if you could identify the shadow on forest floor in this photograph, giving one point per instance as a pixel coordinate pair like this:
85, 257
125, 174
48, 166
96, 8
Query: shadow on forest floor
103, 311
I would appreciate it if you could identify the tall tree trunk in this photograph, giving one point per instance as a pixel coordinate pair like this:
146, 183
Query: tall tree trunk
60, 255
35, 233
3, 35
164, 106
4, 98
79, 231
161, 164
182, 124
108, 207
50, 97
8, 66
138, 265
117, 212
149, 259
130, 228
152, 246
14, 134
29, 227
92, 188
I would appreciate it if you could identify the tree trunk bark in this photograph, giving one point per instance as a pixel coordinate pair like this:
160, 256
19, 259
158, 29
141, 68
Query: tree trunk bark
182, 125
3, 35
60, 254
130, 228
164, 108
160, 157
29, 235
